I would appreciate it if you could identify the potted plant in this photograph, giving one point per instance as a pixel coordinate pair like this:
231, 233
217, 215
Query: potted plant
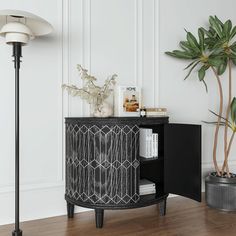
215, 50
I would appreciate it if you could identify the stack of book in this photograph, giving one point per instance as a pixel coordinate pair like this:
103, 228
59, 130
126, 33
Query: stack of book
156, 112
148, 147
146, 187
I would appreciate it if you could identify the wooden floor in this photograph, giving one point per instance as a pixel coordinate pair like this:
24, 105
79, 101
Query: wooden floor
184, 218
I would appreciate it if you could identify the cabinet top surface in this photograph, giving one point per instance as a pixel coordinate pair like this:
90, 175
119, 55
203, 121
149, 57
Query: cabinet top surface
109, 120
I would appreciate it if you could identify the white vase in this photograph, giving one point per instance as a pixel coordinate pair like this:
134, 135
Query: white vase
102, 110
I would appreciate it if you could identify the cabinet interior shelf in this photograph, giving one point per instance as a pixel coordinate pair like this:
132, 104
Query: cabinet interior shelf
150, 199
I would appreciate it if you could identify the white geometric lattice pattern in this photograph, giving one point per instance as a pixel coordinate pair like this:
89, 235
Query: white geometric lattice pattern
102, 163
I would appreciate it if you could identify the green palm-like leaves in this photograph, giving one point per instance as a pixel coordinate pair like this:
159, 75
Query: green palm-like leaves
220, 36
201, 37
195, 50
212, 48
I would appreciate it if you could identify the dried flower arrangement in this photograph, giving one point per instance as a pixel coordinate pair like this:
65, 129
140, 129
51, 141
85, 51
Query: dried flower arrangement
93, 94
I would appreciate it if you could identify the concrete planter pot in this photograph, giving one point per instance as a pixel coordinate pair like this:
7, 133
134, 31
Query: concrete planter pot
221, 192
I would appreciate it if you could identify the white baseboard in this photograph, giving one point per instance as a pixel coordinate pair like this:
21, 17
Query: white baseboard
35, 204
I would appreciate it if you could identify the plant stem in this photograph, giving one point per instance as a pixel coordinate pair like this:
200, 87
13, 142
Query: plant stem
218, 122
75, 88
227, 118
230, 142
228, 151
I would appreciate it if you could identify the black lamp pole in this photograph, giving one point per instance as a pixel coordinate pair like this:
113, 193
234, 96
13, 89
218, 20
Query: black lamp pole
17, 55
18, 28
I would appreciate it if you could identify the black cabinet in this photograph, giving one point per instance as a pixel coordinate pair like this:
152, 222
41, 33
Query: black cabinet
103, 166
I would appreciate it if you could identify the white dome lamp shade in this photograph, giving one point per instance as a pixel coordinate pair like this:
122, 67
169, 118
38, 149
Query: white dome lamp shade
18, 27
21, 26
16, 32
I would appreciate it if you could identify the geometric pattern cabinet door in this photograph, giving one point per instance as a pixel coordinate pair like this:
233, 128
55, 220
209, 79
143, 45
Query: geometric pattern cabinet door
102, 163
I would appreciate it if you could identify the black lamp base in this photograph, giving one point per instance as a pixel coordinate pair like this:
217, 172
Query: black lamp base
17, 233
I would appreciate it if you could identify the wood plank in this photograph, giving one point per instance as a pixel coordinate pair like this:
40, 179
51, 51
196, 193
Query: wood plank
184, 217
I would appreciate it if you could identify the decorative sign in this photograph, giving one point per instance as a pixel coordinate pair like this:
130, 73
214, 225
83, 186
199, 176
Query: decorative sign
127, 101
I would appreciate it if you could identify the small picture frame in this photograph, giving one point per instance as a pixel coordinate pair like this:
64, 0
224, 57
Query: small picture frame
127, 101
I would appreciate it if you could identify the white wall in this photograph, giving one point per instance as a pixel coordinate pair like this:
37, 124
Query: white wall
106, 36
41, 119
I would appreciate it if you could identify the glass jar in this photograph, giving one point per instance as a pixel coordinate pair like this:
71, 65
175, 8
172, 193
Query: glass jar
102, 108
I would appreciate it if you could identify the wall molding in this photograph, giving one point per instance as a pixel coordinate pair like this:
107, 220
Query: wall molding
156, 57
87, 41
60, 166
66, 53
82, 13
65, 71
32, 187
138, 42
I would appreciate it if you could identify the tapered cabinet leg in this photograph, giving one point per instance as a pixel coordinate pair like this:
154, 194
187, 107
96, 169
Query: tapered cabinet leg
162, 207
17, 233
70, 210
99, 215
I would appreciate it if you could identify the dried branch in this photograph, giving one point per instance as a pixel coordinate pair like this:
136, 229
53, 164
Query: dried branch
91, 92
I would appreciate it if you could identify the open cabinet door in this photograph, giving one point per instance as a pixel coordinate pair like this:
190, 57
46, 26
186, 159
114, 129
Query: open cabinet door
182, 160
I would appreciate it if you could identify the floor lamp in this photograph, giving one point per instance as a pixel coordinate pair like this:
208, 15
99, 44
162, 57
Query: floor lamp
18, 28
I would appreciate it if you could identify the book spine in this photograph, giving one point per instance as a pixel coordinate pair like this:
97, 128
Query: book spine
147, 187
147, 192
157, 144
156, 113
142, 143
145, 143
156, 109
150, 144
154, 145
